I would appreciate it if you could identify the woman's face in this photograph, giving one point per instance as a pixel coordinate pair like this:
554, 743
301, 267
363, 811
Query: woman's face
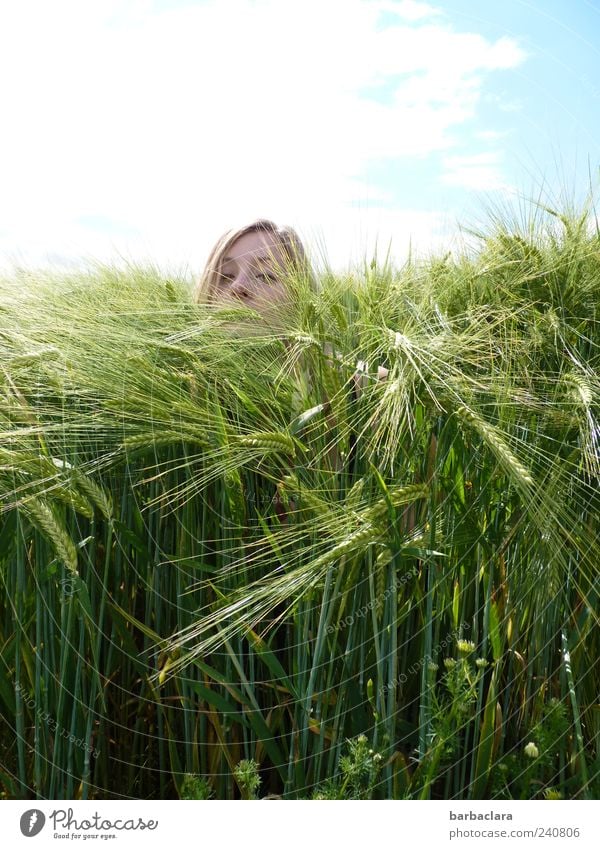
252, 273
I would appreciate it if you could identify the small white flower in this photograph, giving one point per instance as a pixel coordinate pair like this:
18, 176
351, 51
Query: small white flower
61, 464
531, 750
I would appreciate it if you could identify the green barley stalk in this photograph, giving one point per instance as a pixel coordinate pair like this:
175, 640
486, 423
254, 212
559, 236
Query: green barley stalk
178, 434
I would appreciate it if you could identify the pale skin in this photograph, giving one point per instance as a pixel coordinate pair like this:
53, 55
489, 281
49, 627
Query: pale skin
251, 275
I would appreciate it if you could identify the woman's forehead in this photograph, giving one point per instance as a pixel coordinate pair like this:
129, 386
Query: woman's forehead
255, 245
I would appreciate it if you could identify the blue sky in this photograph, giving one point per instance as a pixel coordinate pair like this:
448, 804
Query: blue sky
142, 130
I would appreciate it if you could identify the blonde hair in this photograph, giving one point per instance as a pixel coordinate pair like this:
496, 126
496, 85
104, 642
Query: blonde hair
293, 250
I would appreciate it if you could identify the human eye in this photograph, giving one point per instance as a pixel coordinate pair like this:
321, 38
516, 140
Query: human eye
267, 277
225, 276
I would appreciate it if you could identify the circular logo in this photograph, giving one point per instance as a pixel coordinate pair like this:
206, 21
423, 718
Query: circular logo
32, 822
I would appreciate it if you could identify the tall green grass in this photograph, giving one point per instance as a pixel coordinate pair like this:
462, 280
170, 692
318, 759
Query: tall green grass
225, 568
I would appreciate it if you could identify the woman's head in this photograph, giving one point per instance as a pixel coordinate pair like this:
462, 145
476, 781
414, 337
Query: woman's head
252, 267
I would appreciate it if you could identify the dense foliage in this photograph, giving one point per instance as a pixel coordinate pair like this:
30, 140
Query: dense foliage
230, 567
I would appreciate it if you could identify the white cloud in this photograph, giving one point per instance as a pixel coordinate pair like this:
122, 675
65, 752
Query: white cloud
410, 10
481, 172
183, 122
490, 135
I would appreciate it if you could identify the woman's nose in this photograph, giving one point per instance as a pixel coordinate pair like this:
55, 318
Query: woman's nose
240, 287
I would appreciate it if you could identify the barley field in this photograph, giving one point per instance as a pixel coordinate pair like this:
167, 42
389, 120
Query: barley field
232, 567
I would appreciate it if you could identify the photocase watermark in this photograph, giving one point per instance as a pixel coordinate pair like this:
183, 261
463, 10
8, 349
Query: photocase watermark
591, 85
450, 639
66, 820
32, 822
45, 717
68, 585
276, 498
375, 602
